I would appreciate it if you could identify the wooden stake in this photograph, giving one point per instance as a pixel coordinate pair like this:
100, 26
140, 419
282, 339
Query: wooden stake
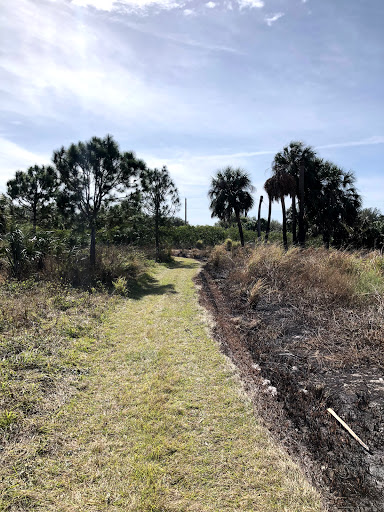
331, 411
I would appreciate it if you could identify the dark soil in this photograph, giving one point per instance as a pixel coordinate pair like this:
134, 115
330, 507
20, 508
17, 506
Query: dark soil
292, 382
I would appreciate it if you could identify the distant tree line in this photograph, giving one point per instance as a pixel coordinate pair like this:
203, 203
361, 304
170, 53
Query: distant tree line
85, 186
93, 192
324, 201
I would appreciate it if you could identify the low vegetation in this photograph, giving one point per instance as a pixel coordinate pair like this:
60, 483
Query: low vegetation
48, 321
339, 295
46, 330
158, 422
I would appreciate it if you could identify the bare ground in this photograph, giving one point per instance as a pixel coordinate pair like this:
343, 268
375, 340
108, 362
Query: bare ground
293, 379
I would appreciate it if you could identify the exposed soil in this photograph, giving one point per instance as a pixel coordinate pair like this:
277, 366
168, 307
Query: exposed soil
293, 380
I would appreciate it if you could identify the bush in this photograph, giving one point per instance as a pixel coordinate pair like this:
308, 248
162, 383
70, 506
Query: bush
120, 286
228, 244
219, 257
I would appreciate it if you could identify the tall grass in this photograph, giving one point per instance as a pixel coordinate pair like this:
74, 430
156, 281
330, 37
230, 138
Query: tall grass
333, 299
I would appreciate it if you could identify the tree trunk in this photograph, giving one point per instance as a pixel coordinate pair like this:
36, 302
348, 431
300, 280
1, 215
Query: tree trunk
269, 219
294, 220
258, 219
285, 239
326, 239
237, 213
92, 252
157, 237
301, 208
34, 217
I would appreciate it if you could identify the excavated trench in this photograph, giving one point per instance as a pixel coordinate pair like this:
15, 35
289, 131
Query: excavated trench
291, 391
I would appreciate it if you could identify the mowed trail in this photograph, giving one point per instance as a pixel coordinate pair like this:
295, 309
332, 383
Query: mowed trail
161, 423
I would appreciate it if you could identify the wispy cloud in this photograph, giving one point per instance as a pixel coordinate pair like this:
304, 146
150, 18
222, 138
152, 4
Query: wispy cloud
377, 139
271, 19
128, 5
143, 5
258, 4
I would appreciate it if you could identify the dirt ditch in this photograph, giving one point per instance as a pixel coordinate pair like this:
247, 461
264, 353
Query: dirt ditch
293, 381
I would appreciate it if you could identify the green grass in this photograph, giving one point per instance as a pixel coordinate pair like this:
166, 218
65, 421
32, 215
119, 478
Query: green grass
159, 424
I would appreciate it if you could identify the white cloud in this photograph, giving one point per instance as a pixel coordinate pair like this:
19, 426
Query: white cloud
189, 12
143, 5
76, 68
251, 4
129, 5
271, 19
14, 157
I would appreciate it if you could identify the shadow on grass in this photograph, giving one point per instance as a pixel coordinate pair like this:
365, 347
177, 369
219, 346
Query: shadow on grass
148, 285
182, 263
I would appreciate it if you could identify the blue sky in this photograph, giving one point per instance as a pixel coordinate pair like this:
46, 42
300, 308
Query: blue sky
196, 85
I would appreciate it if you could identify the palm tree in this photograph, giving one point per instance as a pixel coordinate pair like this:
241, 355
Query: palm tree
337, 205
270, 188
297, 160
230, 193
281, 184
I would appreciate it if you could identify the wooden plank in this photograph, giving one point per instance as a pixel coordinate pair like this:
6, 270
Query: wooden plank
355, 436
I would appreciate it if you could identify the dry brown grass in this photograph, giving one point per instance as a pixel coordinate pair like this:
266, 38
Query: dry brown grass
44, 330
336, 296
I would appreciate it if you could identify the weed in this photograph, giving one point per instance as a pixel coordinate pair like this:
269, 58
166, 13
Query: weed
120, 286
255, 292
7, 418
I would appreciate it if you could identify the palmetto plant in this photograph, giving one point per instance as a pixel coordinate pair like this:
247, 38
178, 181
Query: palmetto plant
21, 251
230, 193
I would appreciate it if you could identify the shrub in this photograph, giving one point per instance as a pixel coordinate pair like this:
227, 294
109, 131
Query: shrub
228, 244
313, 274
120, 286
219, 257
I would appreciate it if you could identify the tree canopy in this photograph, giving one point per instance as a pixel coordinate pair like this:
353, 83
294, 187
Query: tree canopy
230, 193
160, 198
34, 189
92, 173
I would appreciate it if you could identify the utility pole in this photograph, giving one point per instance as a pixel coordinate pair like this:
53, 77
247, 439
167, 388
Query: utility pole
185, 209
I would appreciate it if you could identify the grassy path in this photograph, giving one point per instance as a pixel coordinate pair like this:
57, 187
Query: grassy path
161, 424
